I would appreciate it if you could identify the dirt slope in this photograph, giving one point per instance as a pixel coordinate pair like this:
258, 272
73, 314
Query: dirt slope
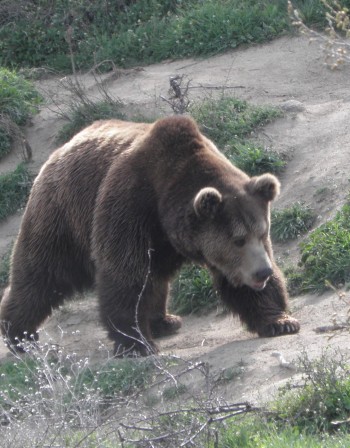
314, 134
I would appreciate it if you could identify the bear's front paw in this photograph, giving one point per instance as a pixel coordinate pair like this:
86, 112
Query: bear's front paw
282, 326
165, 325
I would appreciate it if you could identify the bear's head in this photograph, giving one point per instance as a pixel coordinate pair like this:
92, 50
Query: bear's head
226, 227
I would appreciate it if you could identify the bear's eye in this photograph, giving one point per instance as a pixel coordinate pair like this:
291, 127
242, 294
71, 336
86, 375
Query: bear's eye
240, 242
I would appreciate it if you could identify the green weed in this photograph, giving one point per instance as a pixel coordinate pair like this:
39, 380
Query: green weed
170, 393
17, 378
257, 434
306, 417
295, 278
140, 32
18, 97
228, 120
324, 397
291, 222
14, 190
325, 254
115, 377
255, 160
192, 291
5, 267
81, 115
5, 142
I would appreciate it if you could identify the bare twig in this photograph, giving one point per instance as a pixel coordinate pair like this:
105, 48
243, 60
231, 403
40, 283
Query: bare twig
178, 99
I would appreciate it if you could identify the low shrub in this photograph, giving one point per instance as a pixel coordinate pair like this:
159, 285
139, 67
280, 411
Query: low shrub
228, 120
83, 114
18, 97
192, 291
14, 190
255, 160
291, 222
5, 267
325, 253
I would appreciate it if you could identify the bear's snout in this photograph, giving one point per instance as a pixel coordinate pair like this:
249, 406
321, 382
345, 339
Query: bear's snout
263, 274
260, 278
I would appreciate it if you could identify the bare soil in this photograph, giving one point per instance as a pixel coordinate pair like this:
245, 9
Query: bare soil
314, 137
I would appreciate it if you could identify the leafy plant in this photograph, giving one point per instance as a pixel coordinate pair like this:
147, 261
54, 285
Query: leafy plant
14, 190
325, 254
5, 142
5, 267
291, 222
228, 120
123, 376
136, 32
18, 97
83, 114
323, 398
193, 291
255, 160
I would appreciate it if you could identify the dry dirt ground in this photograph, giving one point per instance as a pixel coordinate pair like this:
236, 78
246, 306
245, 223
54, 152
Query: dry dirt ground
313, 134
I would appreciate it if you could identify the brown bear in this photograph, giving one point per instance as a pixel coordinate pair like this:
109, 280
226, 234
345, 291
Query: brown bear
120, 208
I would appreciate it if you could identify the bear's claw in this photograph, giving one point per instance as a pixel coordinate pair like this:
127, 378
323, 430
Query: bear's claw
165, 325
283, 326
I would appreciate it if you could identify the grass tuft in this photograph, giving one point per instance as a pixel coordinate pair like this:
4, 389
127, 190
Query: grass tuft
14, 190
18, 97
325, 254
229, 119
324, 397
82, 115
255, 160
5, 262
193, 292
291, 222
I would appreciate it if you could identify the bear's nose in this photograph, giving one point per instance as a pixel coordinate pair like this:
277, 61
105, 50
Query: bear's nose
263, 274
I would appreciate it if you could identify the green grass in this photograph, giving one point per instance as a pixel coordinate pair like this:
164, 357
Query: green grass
14, 190
116, 377
5, 141
5, 261
18, 97
192, 291
17, 379
81, 115
228, 119
259, 435
18, 101
255, 160
301, 417
291, 222
325, 254
324, 397
70, 379
142, 32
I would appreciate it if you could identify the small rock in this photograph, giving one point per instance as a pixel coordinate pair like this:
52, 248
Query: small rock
292, 106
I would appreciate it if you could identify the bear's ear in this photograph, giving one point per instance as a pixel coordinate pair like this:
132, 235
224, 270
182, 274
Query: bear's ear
207, 202
266, 186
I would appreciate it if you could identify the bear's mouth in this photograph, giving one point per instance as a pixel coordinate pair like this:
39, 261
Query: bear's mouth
258, 286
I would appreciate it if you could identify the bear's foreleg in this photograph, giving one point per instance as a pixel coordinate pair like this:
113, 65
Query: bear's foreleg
162, 323
264, 312
21, 313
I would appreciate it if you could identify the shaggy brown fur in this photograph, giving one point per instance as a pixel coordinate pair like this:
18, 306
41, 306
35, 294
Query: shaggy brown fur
120, 207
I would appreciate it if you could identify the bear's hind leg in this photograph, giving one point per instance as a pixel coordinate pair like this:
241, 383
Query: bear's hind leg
125, 316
